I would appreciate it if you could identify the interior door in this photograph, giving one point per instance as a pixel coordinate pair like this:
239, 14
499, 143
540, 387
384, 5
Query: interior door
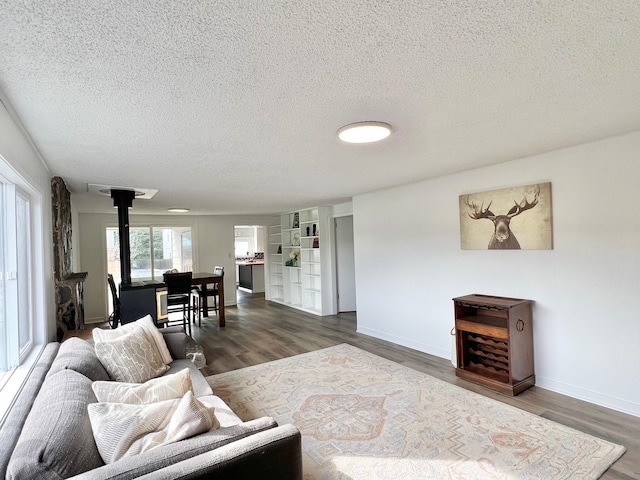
345, 264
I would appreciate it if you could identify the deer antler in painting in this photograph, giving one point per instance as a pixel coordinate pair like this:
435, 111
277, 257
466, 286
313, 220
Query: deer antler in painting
525, 204
503, 237
478, 210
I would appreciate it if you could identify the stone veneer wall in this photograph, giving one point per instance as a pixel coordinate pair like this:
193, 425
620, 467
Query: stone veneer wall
69, 286
61, 205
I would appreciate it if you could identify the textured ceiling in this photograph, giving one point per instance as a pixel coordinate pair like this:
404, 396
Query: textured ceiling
233, 106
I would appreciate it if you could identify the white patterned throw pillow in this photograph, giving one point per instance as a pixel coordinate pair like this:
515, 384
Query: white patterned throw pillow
145, 323
168, 387
131, 358
121, 430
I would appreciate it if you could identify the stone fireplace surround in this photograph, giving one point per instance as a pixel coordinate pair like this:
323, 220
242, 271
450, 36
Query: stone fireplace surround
69, 286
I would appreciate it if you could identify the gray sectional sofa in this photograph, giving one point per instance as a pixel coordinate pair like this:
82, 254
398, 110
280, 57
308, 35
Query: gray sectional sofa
47, 434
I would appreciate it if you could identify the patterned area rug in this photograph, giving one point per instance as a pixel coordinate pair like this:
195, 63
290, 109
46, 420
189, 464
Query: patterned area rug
364, 417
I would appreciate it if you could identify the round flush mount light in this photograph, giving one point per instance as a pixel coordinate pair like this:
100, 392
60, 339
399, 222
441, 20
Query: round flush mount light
364, 132
178, 210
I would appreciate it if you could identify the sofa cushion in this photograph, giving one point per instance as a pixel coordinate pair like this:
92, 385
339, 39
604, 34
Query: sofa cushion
131, 358
167, 387
145, 323
121, 430
57, 440
79, 355
224, 414
198, 381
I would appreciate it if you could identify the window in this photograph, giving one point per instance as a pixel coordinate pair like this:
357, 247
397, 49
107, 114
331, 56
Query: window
154, 250
22, 324
16, 313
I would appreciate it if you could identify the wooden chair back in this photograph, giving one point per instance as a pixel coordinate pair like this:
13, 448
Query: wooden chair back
178, 283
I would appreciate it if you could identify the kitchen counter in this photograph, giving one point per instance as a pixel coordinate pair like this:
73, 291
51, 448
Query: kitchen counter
249, 262
251, 276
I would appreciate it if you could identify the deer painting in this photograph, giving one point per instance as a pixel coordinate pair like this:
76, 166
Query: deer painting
503, 238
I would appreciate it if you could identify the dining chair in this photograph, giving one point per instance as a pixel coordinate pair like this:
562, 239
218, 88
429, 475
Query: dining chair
210, 290
179, 294
114, 318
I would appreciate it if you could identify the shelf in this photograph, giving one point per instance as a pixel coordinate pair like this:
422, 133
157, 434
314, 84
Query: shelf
302, 284
490, 342
490, 373
492, 360
498, 322
468, 325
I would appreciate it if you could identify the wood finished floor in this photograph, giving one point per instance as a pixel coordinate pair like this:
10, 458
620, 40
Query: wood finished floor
258, 331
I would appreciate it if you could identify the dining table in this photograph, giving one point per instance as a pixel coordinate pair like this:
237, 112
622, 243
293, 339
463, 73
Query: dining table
202, 279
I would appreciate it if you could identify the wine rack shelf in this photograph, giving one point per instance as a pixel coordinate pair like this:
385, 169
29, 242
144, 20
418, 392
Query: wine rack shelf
494, 342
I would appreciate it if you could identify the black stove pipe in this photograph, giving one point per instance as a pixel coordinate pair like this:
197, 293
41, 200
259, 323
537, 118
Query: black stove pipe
123, 199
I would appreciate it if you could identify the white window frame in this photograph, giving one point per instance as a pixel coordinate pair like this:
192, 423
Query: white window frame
132, 224
151, 229
33, 311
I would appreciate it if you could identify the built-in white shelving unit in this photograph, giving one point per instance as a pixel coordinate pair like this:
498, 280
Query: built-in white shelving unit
296, 274
274, 249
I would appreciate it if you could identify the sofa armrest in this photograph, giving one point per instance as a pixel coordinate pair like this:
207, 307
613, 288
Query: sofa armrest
159, 458
275, 453
11, 426
176, 342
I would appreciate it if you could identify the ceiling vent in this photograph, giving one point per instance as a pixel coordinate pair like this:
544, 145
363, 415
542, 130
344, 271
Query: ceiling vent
145, 193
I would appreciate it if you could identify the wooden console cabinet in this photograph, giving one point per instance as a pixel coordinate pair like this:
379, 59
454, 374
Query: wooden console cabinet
494, 342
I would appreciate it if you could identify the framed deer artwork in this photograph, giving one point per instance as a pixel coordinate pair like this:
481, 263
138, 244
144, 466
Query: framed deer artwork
508, 219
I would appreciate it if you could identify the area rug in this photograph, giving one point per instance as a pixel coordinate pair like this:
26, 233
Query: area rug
365, 417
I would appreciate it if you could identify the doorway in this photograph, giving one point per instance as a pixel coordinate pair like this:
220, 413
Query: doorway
345, 264
249, 247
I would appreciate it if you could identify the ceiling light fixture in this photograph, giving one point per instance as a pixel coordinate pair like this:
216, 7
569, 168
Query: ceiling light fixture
364, 132
178, 210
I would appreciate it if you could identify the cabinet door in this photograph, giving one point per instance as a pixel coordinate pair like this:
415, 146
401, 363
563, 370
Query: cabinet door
245, 279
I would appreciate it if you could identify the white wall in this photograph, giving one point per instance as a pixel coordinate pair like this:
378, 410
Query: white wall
16, 148
213, 243
409, 266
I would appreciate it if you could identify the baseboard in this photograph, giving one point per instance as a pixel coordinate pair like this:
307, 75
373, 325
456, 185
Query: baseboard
406, 342
590, 396
90, 321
